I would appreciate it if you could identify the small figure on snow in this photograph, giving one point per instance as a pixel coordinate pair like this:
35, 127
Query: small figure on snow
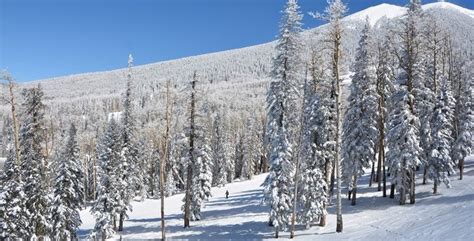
227, 194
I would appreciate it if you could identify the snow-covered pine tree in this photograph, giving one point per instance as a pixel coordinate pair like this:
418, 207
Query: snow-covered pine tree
202, 171
33, 164
360, 131
403, 141
129, 170
411, 60
439, 162
282, 117
190, 157
315, 151
248, 150
385, 76
220, 151
15, 214
68, 190
335, 11
106, 207
464, 142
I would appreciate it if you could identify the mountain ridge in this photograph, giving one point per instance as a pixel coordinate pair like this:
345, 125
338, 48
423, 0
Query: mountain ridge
379, 11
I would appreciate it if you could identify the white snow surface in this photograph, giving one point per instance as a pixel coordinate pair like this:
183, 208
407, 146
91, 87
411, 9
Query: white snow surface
375, 13
391, 11
448, 5
448, 215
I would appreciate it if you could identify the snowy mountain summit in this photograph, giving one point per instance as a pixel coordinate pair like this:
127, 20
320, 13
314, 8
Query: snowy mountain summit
391, 11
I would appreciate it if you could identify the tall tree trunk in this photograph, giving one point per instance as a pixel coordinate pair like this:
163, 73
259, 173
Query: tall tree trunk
187, 203
412, 189
121, 218
384, 178
372, 174
392, 191
16, 129
297, 160
354, 192
425, 172
435, 187
165, 160
402, 196
461, 168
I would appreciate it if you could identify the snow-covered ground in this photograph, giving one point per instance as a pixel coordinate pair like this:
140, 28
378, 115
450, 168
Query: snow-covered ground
448, 215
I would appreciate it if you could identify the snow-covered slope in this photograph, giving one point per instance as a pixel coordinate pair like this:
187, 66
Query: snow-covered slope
375, 13
445, 216
391, 11
450, 6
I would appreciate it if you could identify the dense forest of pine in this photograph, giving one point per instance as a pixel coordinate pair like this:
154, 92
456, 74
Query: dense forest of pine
407, 108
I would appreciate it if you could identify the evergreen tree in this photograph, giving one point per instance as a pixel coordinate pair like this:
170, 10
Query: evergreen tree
129, 170
440, 163
315, 150
220, 151
248, 150
360, 124
107, 206
68, 190
16, 215
465, 139
385, 88
403, 141
202, 170
33, 164
282, 117
411, 60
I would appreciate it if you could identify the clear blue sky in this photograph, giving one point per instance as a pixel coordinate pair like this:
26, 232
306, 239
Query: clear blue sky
46, 38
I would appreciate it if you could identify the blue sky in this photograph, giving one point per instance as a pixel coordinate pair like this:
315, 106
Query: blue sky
47, 38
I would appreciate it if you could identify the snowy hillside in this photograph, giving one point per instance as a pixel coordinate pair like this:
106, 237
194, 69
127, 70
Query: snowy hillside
449, 6
377, 12
445, 216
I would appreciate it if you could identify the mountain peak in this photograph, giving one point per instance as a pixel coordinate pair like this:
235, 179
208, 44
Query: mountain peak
377, 12
448, 5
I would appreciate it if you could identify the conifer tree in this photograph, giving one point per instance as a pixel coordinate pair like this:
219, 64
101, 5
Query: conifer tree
107, 206
202, 171
385, 77
282, 118
463, 144
220, 151
315, 151
411, 60
440, 163
403, 141
16, 215
33, 164
360, 124
68, 190
129, 170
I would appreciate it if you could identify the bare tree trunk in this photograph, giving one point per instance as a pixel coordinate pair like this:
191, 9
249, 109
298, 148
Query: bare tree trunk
354, 192
392, 191
121, 217
425, 172
297, 160
187, 203
372, 174
165, 160
11, 86
435, 187
461, 168
402, 197
412, 189
384, 178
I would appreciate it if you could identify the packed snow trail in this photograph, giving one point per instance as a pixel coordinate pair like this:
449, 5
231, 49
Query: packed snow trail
448, 215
